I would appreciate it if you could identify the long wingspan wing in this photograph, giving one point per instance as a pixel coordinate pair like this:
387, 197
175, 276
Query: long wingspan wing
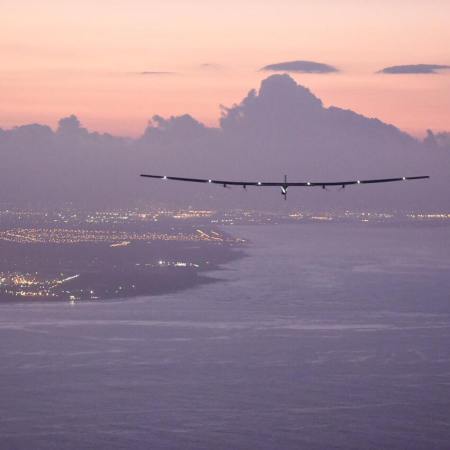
285, 184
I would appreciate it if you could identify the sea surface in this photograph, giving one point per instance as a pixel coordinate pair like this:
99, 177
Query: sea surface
326, 336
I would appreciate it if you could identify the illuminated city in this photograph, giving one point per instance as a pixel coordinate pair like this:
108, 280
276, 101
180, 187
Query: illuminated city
74, 236
31, 285
74, 255
82, 255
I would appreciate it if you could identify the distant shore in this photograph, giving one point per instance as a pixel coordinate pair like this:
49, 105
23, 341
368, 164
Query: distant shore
97, 271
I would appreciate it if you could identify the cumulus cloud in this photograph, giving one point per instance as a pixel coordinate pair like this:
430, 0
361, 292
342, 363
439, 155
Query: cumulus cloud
280, 128
300, 66
183, 127
414, 69
438, 140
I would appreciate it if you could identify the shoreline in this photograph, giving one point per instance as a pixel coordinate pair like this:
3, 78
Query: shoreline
98, 272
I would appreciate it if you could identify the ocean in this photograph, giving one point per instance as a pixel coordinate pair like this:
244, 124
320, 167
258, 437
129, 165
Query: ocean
325, 336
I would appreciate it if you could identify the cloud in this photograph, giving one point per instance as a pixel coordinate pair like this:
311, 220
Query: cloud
280, 128
414, 69
183, 127
300, 66
210, 66
438, 140
156, 73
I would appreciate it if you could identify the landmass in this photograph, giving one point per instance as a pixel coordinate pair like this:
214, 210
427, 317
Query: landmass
74, 255
98, 257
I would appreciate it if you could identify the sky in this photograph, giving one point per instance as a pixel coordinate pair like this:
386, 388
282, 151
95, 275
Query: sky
117, 63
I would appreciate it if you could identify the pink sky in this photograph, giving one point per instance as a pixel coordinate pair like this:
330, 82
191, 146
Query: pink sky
84, 57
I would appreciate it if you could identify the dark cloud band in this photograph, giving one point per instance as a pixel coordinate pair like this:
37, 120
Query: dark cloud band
414, 69
156, 73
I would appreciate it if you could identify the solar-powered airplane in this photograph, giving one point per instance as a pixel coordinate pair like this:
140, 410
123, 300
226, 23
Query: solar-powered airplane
284, 185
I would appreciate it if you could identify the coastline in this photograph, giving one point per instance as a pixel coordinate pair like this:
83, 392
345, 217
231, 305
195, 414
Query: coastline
100, 272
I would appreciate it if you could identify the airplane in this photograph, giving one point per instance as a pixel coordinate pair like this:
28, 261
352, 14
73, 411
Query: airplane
284, 185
